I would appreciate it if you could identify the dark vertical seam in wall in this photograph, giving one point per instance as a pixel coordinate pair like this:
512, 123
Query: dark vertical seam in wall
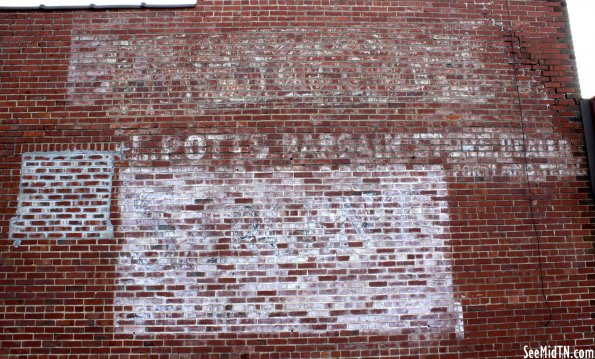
514, 38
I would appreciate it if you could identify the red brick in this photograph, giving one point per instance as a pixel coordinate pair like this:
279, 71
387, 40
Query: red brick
294, 179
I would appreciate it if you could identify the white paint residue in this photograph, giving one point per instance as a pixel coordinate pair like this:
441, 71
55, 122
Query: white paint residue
277, 254
92, 4
64, 195
209, 70
478, 152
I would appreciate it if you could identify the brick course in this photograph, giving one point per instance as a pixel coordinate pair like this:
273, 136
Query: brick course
294, 179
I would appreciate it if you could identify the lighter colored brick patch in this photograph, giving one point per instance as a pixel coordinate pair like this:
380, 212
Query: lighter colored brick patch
64, 195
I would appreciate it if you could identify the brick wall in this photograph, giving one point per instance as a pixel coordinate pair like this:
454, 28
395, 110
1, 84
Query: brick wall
304, 179
63, 195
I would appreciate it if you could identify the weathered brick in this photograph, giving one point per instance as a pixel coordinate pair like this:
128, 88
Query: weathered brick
293, 179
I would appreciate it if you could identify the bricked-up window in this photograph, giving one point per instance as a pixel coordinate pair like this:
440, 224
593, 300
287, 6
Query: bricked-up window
64, 195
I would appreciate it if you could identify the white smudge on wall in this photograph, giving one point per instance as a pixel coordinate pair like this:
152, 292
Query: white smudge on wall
64, 195
268, 251
358, 246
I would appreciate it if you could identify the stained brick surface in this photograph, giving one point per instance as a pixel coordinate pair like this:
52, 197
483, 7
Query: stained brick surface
64, 195
304, 179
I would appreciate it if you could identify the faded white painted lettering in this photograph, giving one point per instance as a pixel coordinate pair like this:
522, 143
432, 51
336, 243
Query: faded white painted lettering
350, 255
